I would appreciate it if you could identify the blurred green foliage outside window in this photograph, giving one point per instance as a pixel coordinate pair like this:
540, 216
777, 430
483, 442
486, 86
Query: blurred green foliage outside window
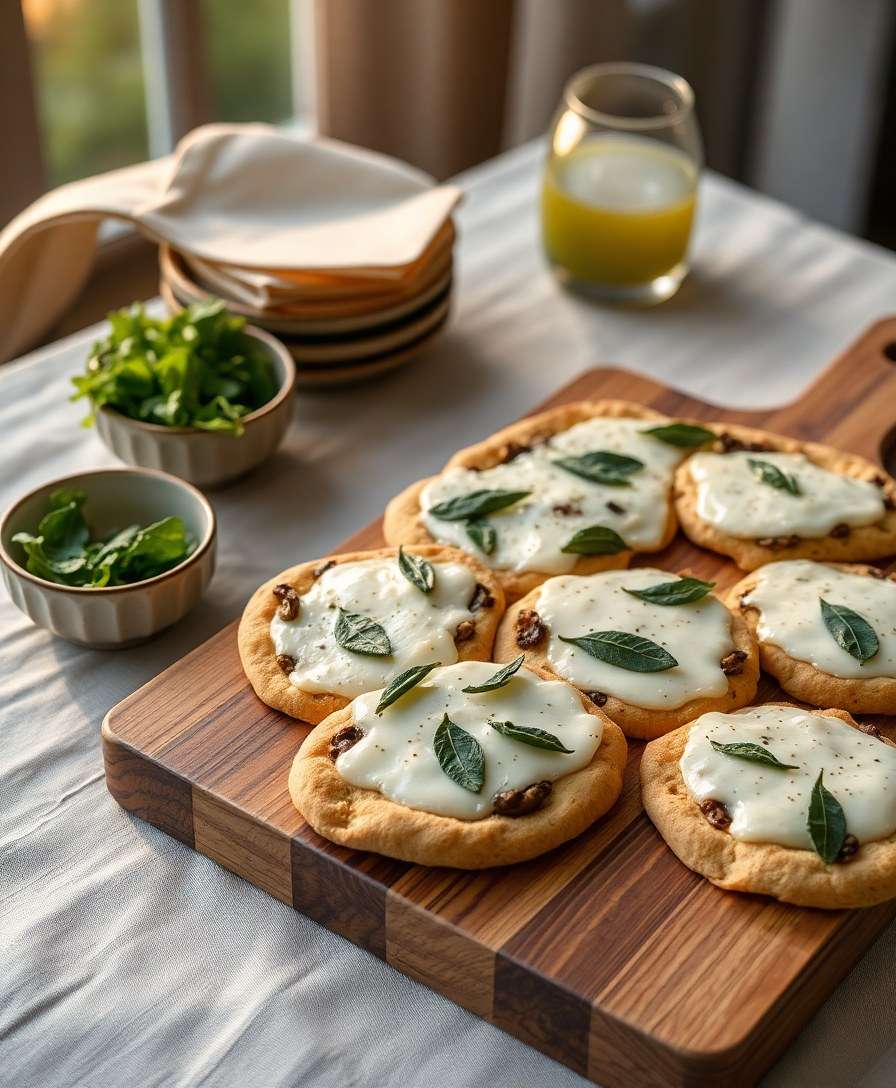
89, 81
88, 72
249, 61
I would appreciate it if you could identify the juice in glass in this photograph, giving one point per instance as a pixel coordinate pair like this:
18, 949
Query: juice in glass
618, 210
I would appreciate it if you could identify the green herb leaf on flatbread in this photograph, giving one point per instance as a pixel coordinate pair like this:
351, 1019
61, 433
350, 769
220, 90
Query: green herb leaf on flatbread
483, 534
460, 755
361, 635
826, 822
498, 679
682, 591
770, 474
850, 631
403, 683
624, 650
756, 753
686, 436
602, 467
536, 738
595, 540
475, 504
417, 571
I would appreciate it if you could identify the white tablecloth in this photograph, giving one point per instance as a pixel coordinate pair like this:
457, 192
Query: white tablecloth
129, 959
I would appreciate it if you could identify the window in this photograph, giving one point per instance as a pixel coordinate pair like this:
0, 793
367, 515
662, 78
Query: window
88, 76
249, 60
113, 82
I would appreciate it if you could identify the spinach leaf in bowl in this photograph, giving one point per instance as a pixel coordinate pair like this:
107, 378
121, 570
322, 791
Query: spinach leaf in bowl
196, 369
62, 551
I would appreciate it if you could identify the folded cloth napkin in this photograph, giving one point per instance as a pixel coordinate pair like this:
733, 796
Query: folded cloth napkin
245, 195
263, 289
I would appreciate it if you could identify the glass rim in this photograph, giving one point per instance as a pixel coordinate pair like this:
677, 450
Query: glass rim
684, 93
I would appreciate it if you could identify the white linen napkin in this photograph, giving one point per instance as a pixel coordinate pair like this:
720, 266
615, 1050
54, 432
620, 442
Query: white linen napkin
251, 196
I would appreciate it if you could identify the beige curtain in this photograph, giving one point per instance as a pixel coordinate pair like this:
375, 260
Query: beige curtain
447, 83
424, 80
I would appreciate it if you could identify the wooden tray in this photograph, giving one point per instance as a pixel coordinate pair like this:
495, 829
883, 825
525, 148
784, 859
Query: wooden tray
606, 954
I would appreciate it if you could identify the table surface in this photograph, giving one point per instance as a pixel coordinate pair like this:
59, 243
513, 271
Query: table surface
130, 959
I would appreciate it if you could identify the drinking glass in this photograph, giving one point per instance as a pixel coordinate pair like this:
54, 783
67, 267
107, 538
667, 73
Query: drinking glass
620, 183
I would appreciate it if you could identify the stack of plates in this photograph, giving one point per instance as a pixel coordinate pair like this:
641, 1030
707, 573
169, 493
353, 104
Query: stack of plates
338, 327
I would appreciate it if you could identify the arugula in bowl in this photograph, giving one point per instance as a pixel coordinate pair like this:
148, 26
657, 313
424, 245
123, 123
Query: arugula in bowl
63, 552
196, 369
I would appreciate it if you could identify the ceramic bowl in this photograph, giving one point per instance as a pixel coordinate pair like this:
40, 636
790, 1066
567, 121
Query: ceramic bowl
115, 616
207, 458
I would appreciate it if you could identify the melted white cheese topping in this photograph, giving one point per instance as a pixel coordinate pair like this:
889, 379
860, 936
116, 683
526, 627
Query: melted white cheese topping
734, 499
420, 626
532, 532
771, 805
697, 635
788, 597
396, 754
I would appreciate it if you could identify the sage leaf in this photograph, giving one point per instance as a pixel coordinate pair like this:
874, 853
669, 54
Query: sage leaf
403, 683
602, 467
850, 630
417, 571
685, 436
624, 650
483, 534
459, 755
474, 505
754, 752
770, 474
498, 680
537, 738
595, 540
361, 635
826, 822
683, 591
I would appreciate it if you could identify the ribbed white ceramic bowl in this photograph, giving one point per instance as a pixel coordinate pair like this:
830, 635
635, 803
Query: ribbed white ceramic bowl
115, 616
207, 458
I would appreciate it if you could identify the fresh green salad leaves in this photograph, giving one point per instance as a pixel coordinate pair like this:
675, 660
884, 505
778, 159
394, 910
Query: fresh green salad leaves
196, 369
63, 552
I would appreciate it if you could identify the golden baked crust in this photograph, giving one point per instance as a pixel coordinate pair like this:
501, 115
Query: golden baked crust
271, 684
402, 523
863, 542
640, 722
366, 820
783, 872
876, 695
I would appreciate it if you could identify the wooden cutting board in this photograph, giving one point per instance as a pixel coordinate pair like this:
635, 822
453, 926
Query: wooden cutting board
606, 954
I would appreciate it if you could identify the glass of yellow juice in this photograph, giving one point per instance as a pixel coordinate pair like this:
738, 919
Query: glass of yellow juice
620, 183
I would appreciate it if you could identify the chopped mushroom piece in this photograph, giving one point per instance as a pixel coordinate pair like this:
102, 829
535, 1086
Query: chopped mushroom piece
522, 802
